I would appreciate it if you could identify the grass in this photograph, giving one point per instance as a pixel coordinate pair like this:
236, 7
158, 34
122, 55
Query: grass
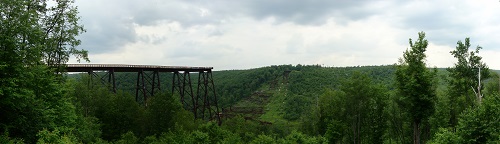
274, 109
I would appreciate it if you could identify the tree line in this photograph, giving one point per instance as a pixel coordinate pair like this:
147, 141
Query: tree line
402, 103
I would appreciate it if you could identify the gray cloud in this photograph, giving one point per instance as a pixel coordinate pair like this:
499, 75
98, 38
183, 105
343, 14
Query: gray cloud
188, 14
105, 37
110, 23
215, 30
108, 27
197, 50
308, 12
442, 26
304, 12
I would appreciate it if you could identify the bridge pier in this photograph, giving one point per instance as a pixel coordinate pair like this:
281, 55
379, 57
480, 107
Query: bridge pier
109, 74
203, 104
147, 85
206, 90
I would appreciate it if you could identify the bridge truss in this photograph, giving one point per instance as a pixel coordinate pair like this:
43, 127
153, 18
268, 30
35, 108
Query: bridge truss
202, 101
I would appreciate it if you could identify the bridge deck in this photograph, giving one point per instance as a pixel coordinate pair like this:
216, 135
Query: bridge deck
132, 68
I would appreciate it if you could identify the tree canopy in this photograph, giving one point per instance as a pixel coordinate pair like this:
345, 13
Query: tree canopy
274, 104
416, 85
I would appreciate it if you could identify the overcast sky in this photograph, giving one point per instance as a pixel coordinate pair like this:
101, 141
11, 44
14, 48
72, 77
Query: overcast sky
242, 34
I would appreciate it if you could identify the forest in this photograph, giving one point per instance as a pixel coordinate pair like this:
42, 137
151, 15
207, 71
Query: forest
405, 102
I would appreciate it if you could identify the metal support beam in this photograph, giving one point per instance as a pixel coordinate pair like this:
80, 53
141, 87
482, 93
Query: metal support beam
178, 87
188, 90
140, 87
102, 76
111, 80
148, 84
181, 84
156, 83
206, 94
203, 103
202, 92
211, 86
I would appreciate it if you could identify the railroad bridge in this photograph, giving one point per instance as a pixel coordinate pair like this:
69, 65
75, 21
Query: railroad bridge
203, 103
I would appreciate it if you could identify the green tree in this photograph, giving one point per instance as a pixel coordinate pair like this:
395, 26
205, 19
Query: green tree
415, 84
32, 98
121, 115
493, 86
298, 138
399, 121
309, 122
263, 139
161, 113
445, 136
294, 106
355, 113
128, 138
463, 84
364, 104
481, 124
60, 29
116, 114
55, 136
245, 129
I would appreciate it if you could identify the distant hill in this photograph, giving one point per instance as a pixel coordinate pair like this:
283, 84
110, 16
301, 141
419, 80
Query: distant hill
260, 93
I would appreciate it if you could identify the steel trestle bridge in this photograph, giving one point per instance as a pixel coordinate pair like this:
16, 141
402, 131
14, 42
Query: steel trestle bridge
203, 103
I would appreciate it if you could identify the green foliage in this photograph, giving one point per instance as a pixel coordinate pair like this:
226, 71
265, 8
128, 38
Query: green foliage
355, 113
217, 134
492, 87
313, 80
5, 139
38, 32
313, 104
310, 121
294, 106
208, 133
263, 139
36, 102
55, 136
87, 129
128, 138
441, 118
281, 128
200, 137
326, 104
481, 124
235, 85
114, 114
122, 114
32, 97
178, 136
294, 137
335, 131
415, 84
445, 136
464, 77
161, 112
245, 129
398, 122
475, 125
298, 138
